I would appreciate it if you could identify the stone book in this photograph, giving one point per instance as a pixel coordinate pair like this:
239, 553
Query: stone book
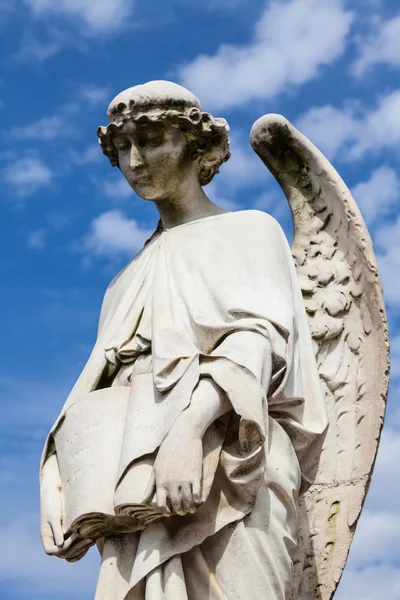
88, 444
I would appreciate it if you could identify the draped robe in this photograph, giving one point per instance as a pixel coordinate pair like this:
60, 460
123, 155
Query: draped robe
211, 298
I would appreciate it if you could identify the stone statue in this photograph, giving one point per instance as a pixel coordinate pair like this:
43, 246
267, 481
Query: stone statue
212, 447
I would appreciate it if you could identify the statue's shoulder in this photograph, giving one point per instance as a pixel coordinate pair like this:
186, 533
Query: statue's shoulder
126, 273
260, 223
257, 216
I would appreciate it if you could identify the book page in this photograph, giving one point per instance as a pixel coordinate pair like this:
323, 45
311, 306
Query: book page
88, 445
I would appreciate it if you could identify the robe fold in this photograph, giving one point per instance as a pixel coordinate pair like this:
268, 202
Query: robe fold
213, 298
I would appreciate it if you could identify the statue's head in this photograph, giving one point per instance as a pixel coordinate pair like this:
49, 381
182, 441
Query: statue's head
158, 136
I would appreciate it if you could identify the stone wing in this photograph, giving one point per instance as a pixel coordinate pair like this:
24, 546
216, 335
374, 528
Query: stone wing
336, 266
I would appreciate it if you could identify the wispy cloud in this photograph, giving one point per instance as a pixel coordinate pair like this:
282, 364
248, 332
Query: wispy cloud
23, 565
34, 50
100, 17
63, 124
215, 5
45, 129
350, 131
92, 94
89, 155
29, 408
372, 571
27, 175
387, 240
113, 234
370, 583
378, 196
395, 356
37, 239
290, 42
243, 169
116, 188
381, 45
330, 128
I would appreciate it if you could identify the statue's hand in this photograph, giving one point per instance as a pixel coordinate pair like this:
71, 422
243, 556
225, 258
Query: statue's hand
51, 508
51, 516
178, 471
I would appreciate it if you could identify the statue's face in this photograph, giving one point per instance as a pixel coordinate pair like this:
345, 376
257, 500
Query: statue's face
154, 159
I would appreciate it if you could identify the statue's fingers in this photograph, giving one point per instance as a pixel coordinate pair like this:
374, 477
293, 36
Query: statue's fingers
46, 534
76, 558
196, 491
58, 534
188, 505
175, 498
78, 549
162, 498
70, 541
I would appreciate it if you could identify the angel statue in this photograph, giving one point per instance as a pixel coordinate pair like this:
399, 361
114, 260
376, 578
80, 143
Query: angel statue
220, 440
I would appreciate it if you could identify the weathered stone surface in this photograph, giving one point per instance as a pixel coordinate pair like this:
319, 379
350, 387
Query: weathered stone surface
208, 422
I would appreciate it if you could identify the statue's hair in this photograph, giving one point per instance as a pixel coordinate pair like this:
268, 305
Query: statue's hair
208, 137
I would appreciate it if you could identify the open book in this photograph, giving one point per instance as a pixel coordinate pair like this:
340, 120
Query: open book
88, 444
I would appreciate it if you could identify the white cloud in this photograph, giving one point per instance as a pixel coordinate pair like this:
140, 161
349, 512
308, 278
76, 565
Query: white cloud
94, 16
291, 41
24, 563
212, 5
92, 94
117, 189
89, 155
386, 476
7, 7
112, 234
37, 239
27, 175
220, 4
330, 128
34, 50
274, 202
216, 194
372, 571
378, 581
377, 196
387, 240
380, 127
377, 538
380, 46
348, 133
243, 169
46, 129
63, 123
395, 356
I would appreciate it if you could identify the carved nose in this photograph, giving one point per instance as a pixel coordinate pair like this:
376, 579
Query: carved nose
135, 158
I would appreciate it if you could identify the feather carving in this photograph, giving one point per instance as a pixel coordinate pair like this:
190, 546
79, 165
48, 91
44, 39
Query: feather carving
337, 271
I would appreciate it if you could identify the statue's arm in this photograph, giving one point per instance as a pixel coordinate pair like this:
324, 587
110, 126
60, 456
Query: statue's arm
178, 466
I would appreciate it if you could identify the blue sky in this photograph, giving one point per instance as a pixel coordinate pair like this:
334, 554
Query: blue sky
69, 221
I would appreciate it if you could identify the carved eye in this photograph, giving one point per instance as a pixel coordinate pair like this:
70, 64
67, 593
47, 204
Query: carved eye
151, 137
121, 143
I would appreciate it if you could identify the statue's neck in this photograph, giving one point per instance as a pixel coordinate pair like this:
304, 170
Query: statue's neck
189, 206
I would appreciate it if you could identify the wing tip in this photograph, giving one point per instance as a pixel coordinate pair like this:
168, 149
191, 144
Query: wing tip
267, 126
